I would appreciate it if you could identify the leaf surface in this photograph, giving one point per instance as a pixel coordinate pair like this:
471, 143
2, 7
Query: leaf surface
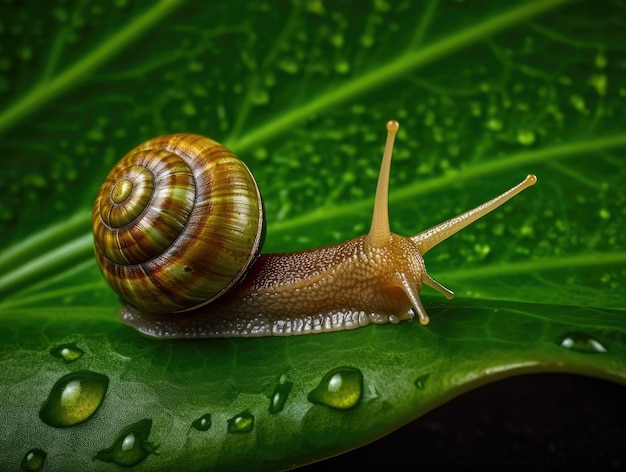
486, 92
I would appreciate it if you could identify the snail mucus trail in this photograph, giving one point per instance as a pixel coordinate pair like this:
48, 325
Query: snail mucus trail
374, 278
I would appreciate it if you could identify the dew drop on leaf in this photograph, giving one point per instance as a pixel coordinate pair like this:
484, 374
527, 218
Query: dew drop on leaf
367, 40
482, 250
241, 423
337, 40
26, 53
340, 388
261, 153
203, 423
34, 459
578, 103
260, 97
382, 5
420, 382
342, 67
74, 398
67, 352
599, 82
279, 397
581, 342
131, 446
494, 124
189, 109
289, 66
526, 137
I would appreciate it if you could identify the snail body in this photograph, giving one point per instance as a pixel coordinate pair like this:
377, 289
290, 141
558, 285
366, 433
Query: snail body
374, 278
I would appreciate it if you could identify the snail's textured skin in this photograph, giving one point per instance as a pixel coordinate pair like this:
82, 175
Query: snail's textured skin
323, 289
186, 226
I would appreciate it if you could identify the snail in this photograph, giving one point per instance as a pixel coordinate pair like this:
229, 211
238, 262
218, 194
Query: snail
178, 228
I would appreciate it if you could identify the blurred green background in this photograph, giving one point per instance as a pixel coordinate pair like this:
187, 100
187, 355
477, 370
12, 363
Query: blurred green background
485, 92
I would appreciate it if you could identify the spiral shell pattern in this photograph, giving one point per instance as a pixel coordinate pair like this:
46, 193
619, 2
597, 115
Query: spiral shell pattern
176, 223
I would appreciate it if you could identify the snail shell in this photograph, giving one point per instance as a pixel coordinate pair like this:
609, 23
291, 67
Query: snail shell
176, 223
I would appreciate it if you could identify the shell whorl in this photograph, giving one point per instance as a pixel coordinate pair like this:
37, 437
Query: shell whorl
176, 223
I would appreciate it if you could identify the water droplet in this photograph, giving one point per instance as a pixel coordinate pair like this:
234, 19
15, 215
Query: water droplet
315, 6
337, 40
189, 109
195, 66
131, 446
482, 250
26, 53
527, 230
599, 82
67, 352
342, 67
203, 423
578, 103
420, 382
269, 80
279, 397
260, 97
367, 40
74, 398
289, 66
526, 137
382, 5
33, 460
241, 423
581, 342
340, 388
494, 124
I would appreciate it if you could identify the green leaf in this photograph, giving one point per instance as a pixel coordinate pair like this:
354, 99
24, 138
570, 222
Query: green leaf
407, 370
485, 92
